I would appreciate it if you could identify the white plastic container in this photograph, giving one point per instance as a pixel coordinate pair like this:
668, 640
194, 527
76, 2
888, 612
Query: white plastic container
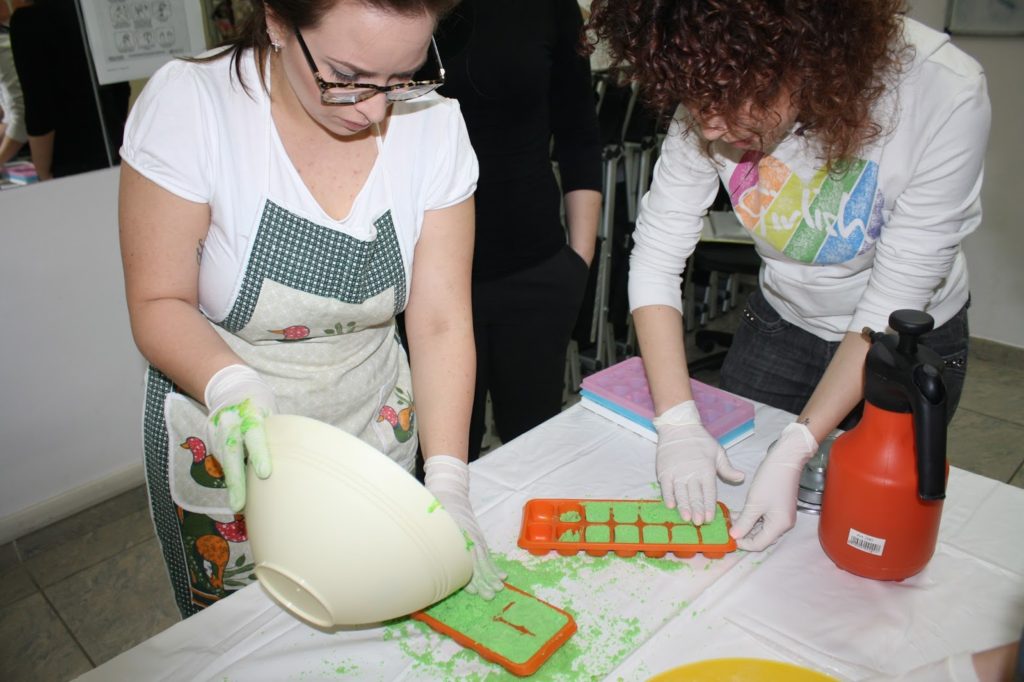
342, 535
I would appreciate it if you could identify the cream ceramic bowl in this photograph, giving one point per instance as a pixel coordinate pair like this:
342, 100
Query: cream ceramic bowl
342, 535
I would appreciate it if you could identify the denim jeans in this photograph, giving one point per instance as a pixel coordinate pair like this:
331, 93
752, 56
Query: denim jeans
777, 363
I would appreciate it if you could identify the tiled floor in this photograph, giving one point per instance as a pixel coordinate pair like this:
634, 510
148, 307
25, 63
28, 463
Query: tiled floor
79, 592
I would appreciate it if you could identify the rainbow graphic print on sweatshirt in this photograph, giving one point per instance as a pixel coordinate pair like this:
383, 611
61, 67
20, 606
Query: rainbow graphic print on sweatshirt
827, 219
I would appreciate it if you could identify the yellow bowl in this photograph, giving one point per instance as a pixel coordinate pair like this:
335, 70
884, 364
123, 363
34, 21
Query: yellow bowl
342, 535
740, 670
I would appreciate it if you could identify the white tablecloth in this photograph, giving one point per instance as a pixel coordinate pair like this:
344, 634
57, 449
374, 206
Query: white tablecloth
639, 616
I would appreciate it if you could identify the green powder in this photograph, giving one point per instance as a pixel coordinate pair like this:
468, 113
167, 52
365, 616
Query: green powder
656, 512
592, 653
714, 533
597, 512
570, 517
627, 533
655, 534
513, 625
684, 535
625, 512
569, 536
598, 534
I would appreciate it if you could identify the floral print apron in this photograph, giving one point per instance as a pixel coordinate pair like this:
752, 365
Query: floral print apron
315, 316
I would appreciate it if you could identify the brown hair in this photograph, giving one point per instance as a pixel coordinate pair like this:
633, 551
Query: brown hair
717, 57
307, 14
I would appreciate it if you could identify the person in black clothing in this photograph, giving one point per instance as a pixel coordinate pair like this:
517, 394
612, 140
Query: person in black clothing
516, 71
61, 117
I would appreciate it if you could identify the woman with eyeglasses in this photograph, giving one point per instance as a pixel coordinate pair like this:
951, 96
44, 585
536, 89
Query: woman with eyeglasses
851, 141
275, 196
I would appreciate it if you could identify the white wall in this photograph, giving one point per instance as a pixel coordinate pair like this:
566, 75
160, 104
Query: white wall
996, 251
71, 378
70, 415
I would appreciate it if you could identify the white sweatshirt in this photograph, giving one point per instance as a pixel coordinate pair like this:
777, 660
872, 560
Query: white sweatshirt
841, 253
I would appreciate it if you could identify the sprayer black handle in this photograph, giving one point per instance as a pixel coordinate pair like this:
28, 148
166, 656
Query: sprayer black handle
928, 405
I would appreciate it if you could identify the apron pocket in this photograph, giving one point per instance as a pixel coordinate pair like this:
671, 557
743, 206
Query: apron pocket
193, 471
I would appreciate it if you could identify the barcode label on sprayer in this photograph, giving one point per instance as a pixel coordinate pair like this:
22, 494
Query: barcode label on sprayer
865, 543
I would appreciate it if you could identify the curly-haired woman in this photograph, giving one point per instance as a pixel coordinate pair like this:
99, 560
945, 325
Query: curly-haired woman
851, 141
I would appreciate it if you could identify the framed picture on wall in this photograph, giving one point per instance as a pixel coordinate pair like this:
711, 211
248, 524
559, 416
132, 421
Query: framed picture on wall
130, 39
986, 17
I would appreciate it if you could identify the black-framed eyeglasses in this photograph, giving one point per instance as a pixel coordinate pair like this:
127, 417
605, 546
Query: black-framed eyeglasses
353, 93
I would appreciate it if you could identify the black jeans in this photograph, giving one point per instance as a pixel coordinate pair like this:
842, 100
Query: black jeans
777, 363
522, 324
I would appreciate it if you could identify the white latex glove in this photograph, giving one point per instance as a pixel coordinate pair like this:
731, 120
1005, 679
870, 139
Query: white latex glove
772, 496
447, 478
239, 400
958, 668
688, 459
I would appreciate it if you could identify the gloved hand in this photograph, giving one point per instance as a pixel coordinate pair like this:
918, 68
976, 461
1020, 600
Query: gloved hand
688, 458
239, 400
772, 496
958, 668
447, 478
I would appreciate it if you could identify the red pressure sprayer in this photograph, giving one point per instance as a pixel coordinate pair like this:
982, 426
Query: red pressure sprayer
886, 477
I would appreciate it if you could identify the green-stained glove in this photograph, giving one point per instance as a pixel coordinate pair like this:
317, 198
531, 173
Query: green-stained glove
239, 400
447, 478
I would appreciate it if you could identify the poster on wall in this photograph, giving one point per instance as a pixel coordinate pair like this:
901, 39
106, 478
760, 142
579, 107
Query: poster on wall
986, 17
130, 39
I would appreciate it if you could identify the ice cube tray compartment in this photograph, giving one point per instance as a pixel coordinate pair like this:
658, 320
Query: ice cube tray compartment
625, 527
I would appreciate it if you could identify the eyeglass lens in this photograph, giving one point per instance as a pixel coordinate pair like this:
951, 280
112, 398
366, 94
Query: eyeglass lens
353, 95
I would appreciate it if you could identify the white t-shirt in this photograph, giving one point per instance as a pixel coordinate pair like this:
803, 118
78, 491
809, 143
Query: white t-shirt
195, 132
841, 253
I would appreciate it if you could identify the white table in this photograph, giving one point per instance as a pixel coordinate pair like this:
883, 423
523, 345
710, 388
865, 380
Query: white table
640, 616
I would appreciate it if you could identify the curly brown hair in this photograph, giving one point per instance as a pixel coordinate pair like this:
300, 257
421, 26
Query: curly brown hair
731, 58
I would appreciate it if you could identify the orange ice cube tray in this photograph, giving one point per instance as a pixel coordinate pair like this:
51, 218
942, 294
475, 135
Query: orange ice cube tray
515, 629
569, 526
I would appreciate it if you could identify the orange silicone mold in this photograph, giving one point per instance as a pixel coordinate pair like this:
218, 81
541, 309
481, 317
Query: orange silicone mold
569, 526
515, 629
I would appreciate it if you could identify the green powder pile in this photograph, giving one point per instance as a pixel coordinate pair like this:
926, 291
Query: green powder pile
597, 512
569, 536
598, 534
513, 625
590, 654
627, 533
570, 517
656, 535
625, 512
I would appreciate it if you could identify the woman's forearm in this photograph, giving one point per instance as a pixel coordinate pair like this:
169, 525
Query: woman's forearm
175, 337
659, 330
443, 361
161, 241
41, 147
439, 324
840, 389
8, 148
582, 214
